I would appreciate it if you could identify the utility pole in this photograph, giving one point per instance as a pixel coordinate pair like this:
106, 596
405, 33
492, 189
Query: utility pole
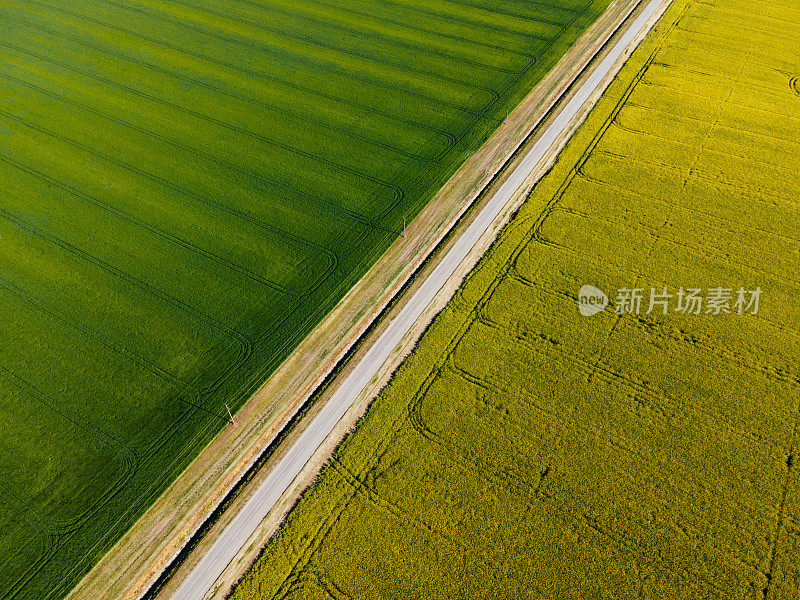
404, 226
230, 415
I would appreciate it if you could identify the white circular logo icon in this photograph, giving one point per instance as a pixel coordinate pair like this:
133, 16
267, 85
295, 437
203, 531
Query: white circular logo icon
591, 300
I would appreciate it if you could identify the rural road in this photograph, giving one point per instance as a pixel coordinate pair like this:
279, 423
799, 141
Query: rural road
201, 580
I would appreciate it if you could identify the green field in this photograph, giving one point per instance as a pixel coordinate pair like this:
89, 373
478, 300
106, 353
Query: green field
186, 188
526, 451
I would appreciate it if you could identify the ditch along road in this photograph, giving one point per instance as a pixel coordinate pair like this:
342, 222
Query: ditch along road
206, 572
